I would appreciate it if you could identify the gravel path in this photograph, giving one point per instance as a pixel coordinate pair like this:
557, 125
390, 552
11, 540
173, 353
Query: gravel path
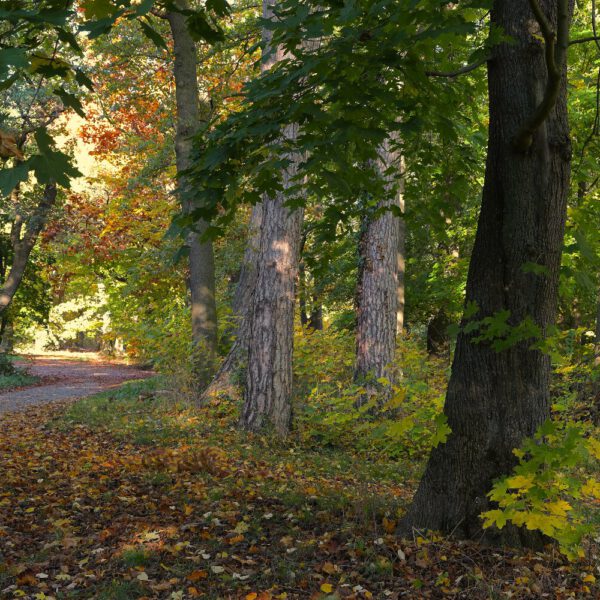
65, 378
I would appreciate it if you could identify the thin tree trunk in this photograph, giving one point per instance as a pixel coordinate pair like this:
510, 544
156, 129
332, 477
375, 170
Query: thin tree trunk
23, 244
597, 341
268, 389
401, 254
496, 399
377, 289
201, 256
315, 321
226, 379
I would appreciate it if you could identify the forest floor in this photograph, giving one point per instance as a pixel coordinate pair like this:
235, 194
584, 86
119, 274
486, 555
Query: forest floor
129, 495
63, 375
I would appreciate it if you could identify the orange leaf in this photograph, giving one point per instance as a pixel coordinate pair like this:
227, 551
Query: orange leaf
196, 575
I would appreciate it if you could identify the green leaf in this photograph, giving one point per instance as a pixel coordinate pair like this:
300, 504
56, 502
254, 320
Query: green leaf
97, 9
153, 35
15, 57
9, 178
71, 101
51, 165
201, 30
83, 80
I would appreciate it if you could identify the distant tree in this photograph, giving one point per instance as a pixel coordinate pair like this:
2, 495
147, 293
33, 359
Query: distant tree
377, 289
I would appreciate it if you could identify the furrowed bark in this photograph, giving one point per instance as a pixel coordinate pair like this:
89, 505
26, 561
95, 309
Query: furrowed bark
268, 385
378, 289
267, 395
496, 399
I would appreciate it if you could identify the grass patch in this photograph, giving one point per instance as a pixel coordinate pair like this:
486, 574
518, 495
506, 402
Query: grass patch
8, 382
12, 376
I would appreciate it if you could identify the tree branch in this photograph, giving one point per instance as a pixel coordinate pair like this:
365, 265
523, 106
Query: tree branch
556, 44
584, 40
461, 71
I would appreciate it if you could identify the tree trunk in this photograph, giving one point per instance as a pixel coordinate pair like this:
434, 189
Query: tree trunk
597, 341
401, 255
268, 389
23, 245
225, 380
377, 290
496, 399
201, 256
438, 340
315, 321
271, 328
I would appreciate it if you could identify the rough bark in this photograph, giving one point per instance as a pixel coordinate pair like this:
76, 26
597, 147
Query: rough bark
496, 399
267, 395
268, 389
24, 242
377, 289
201, 256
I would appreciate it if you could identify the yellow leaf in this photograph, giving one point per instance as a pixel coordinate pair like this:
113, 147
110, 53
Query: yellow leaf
560, 508
591, 488
327, 588
520, 482
589, 578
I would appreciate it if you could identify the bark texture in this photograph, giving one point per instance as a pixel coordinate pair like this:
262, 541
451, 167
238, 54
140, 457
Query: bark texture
268, 389
495, 399
23, 242
201, 256
377, 290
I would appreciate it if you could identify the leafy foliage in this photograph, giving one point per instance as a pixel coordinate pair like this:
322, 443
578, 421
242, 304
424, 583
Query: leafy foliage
554, 488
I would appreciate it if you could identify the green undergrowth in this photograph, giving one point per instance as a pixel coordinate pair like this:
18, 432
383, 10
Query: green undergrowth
353, 461
12, 376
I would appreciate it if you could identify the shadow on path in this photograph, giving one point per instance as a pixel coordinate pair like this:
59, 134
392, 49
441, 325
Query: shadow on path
64, 378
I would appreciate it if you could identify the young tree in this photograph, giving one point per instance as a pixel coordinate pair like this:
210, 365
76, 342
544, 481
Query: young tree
201, 256
495, 399
401, 257
24, 233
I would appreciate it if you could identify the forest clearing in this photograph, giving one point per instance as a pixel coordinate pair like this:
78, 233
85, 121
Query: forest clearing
299, 299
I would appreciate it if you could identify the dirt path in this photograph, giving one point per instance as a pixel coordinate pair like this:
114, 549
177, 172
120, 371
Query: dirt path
64, 377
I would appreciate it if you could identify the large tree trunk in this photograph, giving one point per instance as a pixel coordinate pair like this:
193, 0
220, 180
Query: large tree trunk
23, 244
495, 399
268, 389
377, 290
201, 256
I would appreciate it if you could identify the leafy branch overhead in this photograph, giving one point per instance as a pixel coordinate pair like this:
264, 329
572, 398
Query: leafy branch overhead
43, 41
